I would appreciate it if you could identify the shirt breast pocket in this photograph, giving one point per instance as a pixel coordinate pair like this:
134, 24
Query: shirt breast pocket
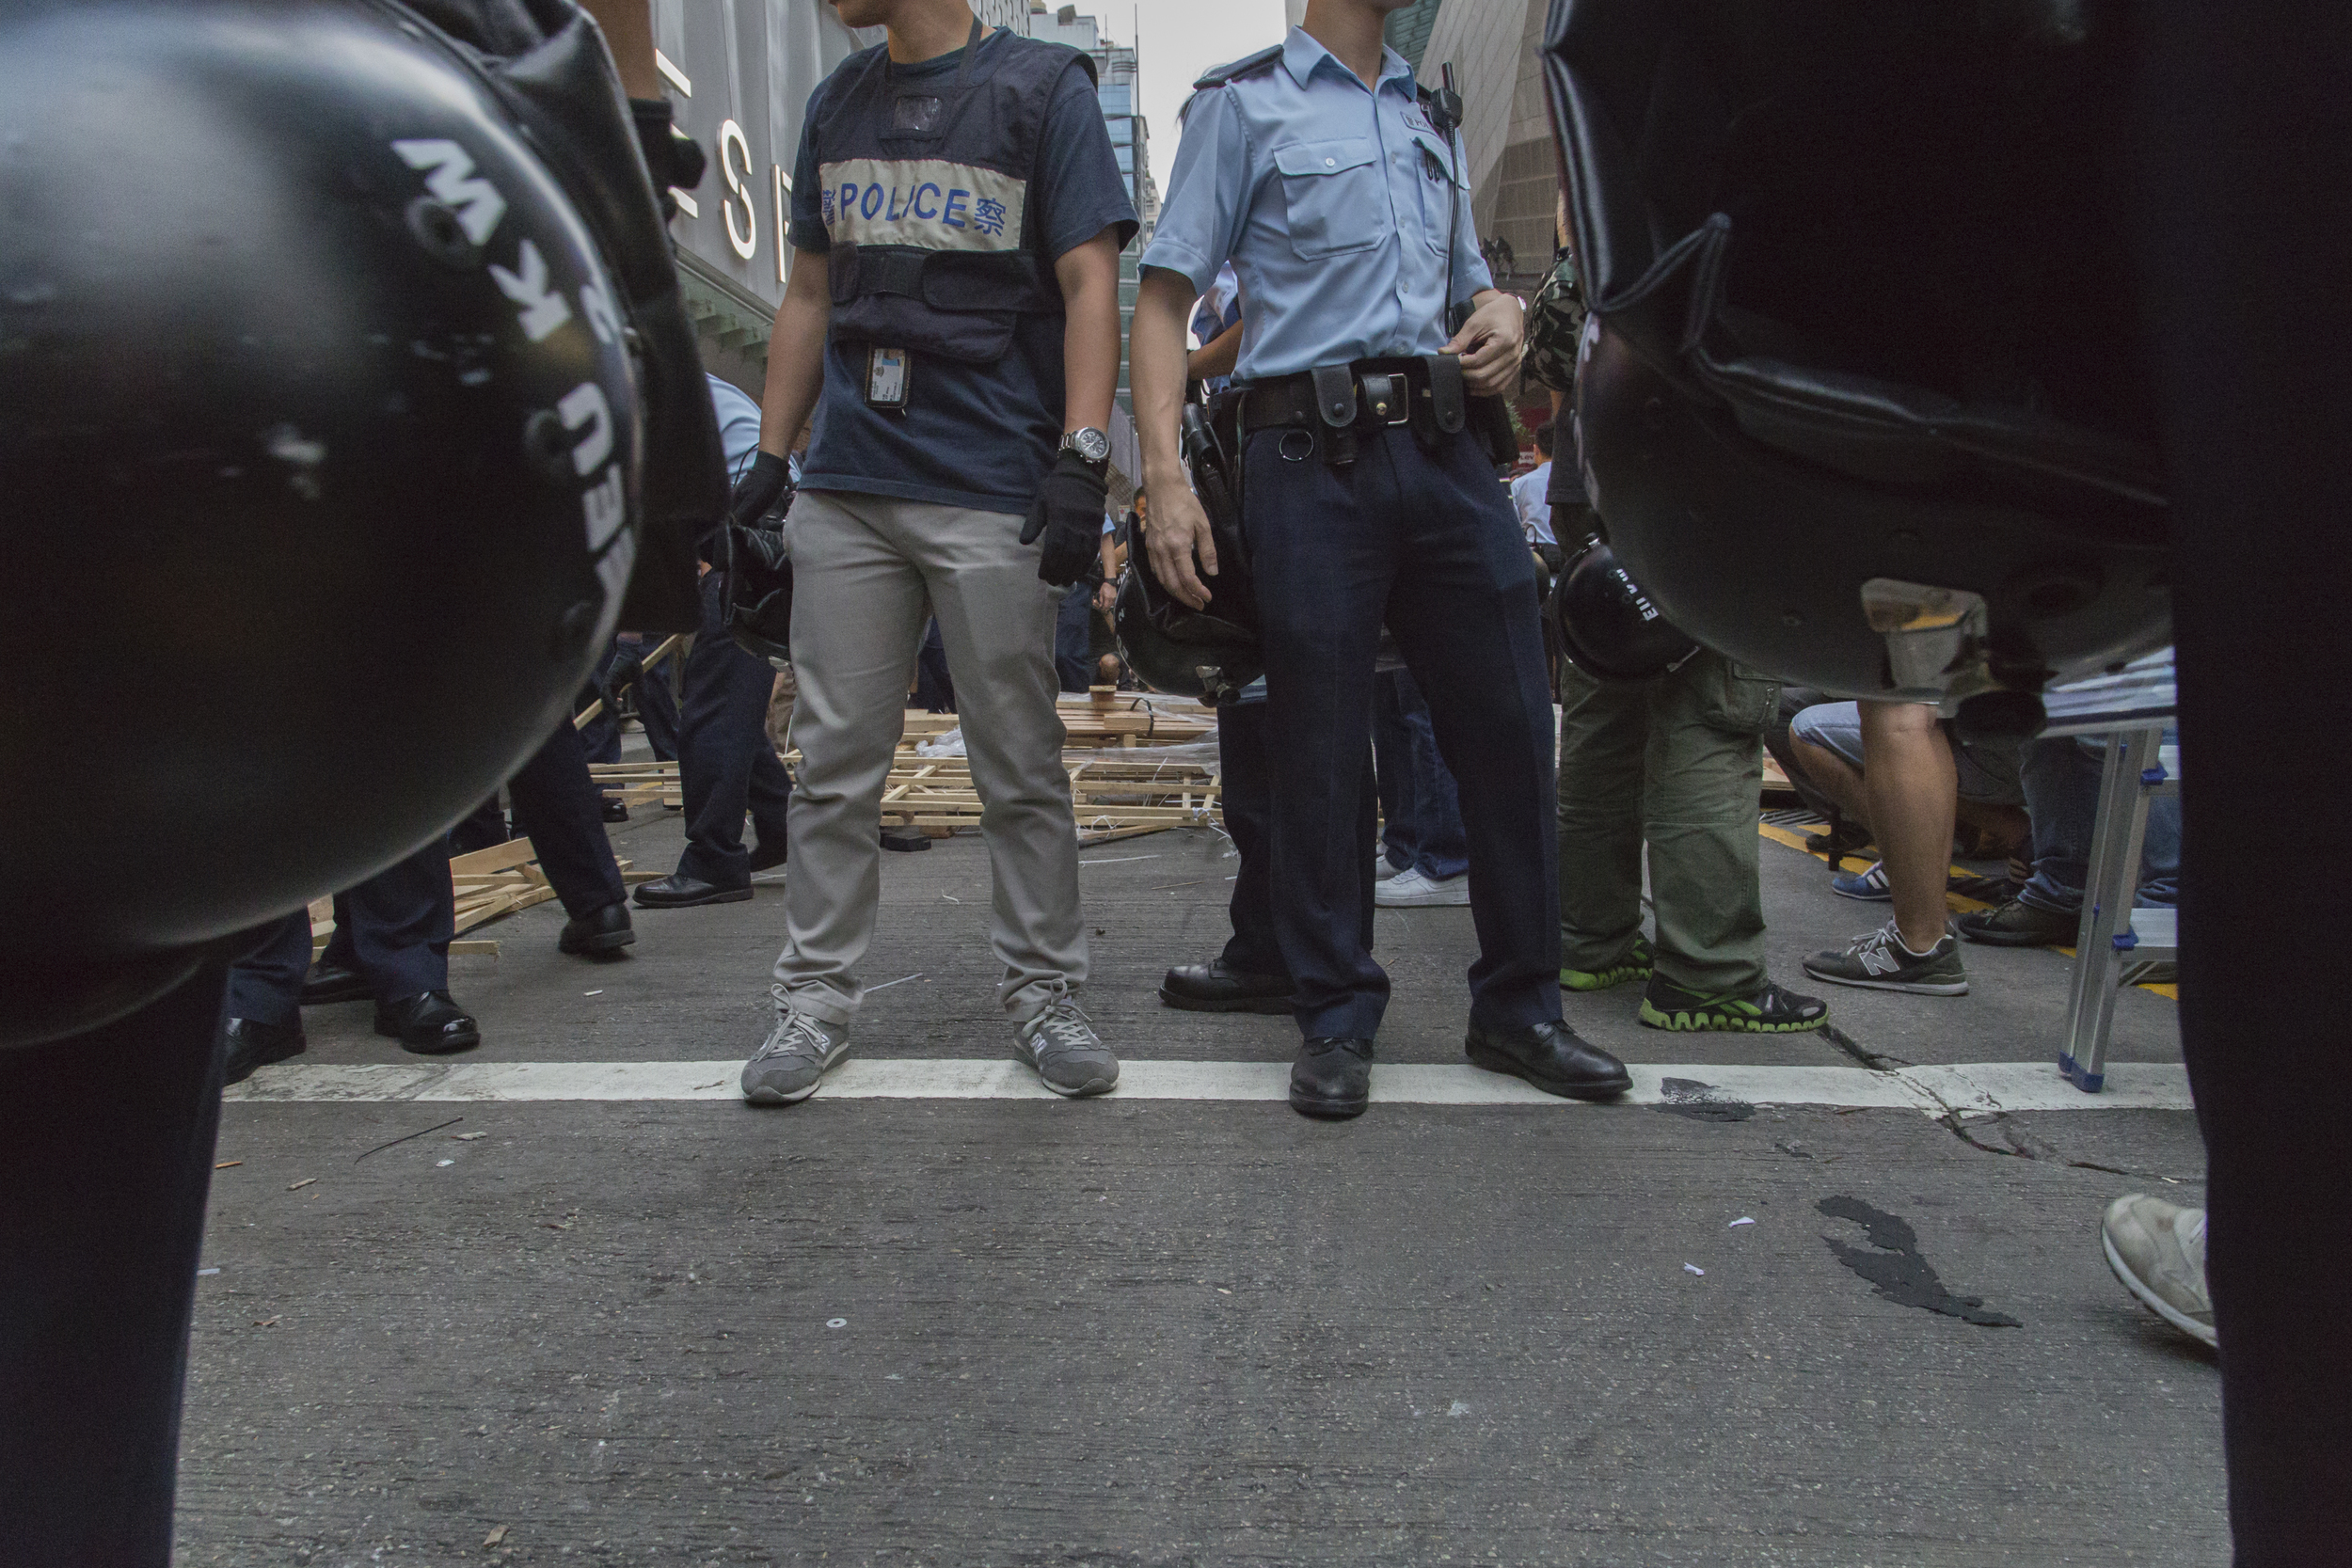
1333, 194
1436, 163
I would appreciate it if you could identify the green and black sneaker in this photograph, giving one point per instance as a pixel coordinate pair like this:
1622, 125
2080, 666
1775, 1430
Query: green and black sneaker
1634, 965
1769, 1011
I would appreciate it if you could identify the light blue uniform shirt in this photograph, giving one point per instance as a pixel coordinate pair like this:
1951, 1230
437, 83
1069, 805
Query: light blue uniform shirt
739, 425
1332, 202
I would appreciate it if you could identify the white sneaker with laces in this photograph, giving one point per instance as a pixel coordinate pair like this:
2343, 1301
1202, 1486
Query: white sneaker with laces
1410, 890
2157, 1249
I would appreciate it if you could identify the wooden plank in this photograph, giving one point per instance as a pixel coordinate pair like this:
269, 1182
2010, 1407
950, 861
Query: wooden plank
480, 947
499, 856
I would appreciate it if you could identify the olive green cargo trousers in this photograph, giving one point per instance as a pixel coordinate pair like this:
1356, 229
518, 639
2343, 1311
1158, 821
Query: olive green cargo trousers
1674, 762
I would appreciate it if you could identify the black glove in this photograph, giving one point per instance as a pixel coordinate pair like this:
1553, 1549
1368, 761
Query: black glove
756, 493
1069, 512
672, 156
618, 676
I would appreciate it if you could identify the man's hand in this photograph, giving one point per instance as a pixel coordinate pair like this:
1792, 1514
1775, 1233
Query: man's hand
1179, 532
1106, 597
1068, 514
1489, 344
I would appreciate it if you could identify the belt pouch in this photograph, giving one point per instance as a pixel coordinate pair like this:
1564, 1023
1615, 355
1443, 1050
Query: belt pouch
1335, 404
1438, 413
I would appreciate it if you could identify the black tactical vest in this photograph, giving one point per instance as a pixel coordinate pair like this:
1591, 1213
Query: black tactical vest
928, 198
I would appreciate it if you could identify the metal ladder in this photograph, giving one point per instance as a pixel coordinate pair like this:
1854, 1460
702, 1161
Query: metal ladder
2132, 708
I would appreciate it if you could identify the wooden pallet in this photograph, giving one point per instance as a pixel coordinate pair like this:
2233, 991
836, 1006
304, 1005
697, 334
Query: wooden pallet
487, 884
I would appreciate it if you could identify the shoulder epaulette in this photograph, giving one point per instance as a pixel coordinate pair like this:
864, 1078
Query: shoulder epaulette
1253, 65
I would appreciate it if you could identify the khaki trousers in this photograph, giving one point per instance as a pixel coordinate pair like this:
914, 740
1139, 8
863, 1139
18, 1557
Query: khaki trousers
863, 566
1677, 763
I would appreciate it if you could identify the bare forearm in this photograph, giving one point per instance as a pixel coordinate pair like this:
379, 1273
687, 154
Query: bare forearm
1219, 355
1090, 286
1156, 372
629, 33
796, 359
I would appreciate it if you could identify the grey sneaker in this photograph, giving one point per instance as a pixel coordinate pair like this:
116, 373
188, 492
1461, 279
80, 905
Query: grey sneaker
2157, 1249
1062, 1045
795, 1055
1879, 961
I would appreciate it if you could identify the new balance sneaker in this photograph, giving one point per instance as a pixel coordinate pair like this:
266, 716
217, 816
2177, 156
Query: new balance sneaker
1766, 1011
797, 1051
2018, 924
1880, 961
1635, 965
1061, 1044
1869, 886
2157, 1249
1410, 890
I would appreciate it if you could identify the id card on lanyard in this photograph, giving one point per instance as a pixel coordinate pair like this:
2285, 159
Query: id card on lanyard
886, 377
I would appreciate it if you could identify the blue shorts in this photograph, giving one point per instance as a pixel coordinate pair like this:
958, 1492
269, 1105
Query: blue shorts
1987, 768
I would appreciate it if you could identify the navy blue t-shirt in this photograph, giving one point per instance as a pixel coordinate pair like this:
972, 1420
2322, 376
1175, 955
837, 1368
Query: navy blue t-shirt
974, 435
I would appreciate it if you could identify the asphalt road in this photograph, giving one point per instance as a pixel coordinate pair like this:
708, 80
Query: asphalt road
988, 1331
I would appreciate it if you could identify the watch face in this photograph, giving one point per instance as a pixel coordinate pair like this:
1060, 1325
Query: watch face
1092, 445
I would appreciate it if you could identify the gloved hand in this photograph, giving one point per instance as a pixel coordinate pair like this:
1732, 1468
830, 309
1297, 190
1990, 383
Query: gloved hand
756, 493
1067, 511
618, 676
672, 157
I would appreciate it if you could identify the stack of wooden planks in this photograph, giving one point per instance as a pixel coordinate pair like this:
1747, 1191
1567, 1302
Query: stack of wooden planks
488, 883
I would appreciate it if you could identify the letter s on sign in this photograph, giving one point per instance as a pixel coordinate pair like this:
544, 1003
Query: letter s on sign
732, 147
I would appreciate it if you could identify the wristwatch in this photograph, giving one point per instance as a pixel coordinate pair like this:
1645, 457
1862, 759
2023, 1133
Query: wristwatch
1089, 444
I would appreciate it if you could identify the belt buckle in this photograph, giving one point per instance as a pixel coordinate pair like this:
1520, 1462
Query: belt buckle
1386, 400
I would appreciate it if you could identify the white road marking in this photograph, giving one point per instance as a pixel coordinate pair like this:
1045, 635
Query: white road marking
1972, 1087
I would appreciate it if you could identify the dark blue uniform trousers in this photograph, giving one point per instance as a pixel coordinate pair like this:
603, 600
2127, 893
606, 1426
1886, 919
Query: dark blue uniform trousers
394, 928
726, 762
1073, 640
1427, 544
1246, 798
560, 810
101, 1231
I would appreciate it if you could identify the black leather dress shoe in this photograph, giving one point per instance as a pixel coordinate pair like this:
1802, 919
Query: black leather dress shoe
770, 853
680, 892
334, 983
603, 930
615, 809
428, 1024
1332, 1078
249, 1044
1553, 1057
1211, 988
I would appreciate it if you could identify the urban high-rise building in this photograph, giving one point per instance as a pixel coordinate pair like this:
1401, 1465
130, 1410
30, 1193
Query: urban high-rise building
1119, 90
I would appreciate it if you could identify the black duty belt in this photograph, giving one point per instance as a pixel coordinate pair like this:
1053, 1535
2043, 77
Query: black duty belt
1337, 404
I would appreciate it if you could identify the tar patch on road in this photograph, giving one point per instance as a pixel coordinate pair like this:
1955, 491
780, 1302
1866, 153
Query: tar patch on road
1688, 1096
1893, 1266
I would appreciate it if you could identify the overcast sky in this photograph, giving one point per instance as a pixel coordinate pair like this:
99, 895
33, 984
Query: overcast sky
1180, 40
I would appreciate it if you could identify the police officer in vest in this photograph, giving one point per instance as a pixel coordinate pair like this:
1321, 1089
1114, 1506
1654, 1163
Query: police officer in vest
953, 320
1316, 167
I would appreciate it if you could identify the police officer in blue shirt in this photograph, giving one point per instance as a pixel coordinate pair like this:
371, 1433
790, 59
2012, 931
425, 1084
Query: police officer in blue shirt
1317, 170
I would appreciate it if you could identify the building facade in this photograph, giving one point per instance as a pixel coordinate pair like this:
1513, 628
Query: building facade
1118, 87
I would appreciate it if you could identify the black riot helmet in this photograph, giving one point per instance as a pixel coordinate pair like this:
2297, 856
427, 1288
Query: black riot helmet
1181, 651
328, 353
755, 595
1861, 400
1608, 628
1210, 654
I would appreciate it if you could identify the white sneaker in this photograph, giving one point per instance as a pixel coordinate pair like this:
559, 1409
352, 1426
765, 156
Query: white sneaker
1385, 869
2157, 1249
1409, 890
